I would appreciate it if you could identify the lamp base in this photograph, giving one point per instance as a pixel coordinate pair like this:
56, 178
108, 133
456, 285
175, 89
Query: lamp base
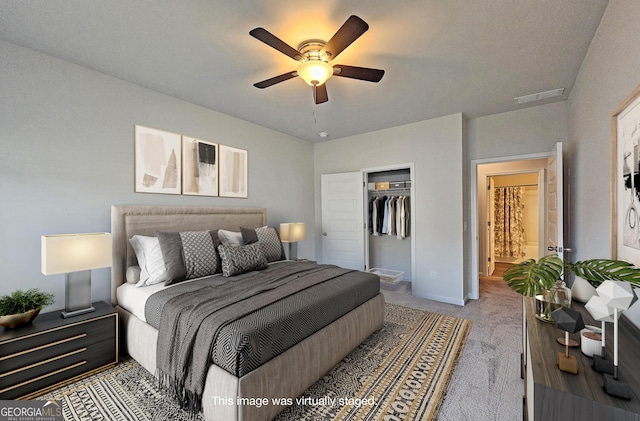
567, 363
65, 314
77, 294
602, 365
615, 387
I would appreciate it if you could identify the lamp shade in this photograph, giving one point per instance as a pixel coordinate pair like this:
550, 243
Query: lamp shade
68, 253
292, 232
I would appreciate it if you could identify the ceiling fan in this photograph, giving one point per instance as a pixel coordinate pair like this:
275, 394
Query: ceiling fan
314, 56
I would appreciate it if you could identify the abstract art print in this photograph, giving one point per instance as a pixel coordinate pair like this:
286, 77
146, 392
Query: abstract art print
625, 184
233, 172
157, 161
199, 167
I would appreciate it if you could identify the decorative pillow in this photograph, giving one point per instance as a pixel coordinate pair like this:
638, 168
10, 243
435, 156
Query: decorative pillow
189, 254
271, 244
230, 238
150, 260
133, 274
241, 259
249, 235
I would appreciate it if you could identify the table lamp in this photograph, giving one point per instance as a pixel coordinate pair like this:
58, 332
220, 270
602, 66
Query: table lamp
75, 255
292, 233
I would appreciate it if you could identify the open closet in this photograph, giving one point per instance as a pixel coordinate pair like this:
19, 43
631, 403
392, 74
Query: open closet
389, 220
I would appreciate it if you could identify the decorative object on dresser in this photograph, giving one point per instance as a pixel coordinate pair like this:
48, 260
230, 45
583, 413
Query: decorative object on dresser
619, 296
21, 307
75, 255
533, 278
553, 395
600, 312
571, 322
53, 351
292, 232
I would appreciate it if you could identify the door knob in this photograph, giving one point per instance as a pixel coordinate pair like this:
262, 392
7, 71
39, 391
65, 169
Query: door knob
324, 234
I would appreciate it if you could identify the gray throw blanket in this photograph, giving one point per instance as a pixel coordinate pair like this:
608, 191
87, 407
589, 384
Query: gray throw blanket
190, 322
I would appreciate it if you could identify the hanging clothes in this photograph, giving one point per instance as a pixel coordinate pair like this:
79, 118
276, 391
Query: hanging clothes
380, 214
385, 219
389, 215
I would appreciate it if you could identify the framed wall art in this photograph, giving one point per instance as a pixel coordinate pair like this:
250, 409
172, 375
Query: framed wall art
625, 180
157, 161
199, 167
233, 172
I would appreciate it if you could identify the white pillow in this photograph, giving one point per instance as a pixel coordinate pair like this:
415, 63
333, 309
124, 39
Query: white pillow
150, 260
230, 238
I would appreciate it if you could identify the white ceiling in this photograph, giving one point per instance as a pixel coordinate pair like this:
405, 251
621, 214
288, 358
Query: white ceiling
440, 56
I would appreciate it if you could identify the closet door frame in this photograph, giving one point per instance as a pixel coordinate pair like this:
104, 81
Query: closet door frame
412, 202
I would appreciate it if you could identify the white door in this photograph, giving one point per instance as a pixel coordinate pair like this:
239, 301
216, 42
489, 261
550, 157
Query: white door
555, 206
342, 197
491, 233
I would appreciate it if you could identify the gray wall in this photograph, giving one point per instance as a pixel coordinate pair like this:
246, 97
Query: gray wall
530, 130
66, 155
435, 147
609, 73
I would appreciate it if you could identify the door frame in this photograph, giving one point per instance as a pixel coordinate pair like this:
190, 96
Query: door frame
542, 194
474, 277
412, 214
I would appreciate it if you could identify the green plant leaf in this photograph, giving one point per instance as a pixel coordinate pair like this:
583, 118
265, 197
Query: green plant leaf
596, 271
529, 277
20, 301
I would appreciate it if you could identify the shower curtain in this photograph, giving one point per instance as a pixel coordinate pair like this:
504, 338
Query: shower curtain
509, 222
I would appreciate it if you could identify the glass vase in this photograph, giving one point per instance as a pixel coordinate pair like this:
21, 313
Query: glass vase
552, 299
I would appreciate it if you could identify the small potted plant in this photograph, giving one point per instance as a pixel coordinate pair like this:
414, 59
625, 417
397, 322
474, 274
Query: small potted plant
22, 307
542, 279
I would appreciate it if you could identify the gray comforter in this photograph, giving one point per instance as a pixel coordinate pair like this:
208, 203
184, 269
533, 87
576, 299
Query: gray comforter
192, 326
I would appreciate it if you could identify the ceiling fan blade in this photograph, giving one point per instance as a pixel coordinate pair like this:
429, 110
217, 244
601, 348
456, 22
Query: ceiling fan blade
348, 32
362, 73
274, 80
275, 42
320, 93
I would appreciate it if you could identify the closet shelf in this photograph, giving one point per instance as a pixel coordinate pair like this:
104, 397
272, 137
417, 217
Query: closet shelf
404, 190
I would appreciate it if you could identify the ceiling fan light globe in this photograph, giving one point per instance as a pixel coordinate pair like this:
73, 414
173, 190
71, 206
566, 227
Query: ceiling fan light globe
315, 72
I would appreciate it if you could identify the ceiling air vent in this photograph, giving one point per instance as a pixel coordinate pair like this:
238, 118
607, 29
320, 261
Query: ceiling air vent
539, 96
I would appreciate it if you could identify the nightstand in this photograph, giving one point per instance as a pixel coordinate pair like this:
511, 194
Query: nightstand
53, 351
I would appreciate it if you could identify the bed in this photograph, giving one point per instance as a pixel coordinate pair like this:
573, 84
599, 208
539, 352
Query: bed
309, 359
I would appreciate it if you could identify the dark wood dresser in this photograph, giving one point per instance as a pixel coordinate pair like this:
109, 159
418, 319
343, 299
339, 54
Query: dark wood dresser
53, 351
551, 394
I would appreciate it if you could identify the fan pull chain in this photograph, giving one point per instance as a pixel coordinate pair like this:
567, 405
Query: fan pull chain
315, 116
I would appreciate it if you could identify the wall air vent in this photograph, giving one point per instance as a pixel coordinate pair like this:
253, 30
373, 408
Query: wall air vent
539, 96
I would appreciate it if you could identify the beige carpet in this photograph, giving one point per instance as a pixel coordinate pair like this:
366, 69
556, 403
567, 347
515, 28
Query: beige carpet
401, 372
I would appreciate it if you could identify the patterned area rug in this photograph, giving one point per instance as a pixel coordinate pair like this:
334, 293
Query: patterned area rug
401, 372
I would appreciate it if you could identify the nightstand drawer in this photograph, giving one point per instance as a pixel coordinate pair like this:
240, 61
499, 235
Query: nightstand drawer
54, 350
51, 371
55, 342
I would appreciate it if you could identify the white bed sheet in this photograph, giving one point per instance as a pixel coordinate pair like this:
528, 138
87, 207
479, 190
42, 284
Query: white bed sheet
133, 298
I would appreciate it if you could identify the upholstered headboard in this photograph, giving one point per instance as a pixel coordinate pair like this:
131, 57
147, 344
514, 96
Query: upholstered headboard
127, 221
